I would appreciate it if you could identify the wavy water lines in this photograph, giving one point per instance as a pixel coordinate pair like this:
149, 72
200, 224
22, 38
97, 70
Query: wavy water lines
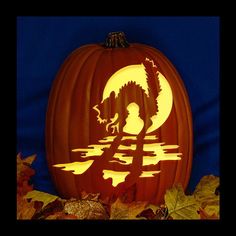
153, 153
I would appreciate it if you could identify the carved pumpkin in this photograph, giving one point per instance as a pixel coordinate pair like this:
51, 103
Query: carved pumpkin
118, 117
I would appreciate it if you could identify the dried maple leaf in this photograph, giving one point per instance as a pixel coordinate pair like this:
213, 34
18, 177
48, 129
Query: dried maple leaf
46, 198
205, 194
85, 209
121, 211
181, 206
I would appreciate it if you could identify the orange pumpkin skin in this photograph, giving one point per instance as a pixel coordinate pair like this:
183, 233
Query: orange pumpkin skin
71, 122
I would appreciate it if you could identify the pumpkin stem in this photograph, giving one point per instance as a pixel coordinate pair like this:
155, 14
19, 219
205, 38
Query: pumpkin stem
116, 40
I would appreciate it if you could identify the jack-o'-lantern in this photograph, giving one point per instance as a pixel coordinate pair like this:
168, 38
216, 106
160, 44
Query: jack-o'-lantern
118, 117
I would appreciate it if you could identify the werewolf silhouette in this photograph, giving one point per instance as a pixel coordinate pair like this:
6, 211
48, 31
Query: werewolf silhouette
113, 111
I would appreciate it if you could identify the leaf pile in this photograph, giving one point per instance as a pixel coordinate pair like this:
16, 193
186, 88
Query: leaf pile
33, 204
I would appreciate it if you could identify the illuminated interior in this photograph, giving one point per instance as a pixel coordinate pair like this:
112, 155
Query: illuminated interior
77, 168
137, 74
150, 137
129, 137
154, 151
98, 116
124, 147
125, 160
146, 174
116, 176
123, 76
134, 123
114, 127
165, 102
92, 150
107, 139
159, 151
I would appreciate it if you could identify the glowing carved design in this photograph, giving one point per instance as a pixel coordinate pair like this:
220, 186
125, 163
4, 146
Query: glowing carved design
123, 76
116, 176
147, 137
158, 150
134, 123
98, 116
114, 127
107, 139
146, 80
164, 101
131, 147
125, 159
78, 168
129, 137
150, 137
146, 174
92, 150
137, 74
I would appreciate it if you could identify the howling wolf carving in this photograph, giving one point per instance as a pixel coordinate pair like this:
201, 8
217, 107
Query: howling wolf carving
114, 110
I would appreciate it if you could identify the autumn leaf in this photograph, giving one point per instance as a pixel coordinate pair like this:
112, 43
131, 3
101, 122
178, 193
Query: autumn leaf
50, 209
181, 206
153, 207
25, 209
205, 216
24, 173
205, 194
85, 209
28, 160
206, 188
23, 165
46, 198
121, 211
213, 209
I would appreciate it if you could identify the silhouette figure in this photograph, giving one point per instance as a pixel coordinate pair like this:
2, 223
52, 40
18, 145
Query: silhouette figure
134, 123
114, 112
